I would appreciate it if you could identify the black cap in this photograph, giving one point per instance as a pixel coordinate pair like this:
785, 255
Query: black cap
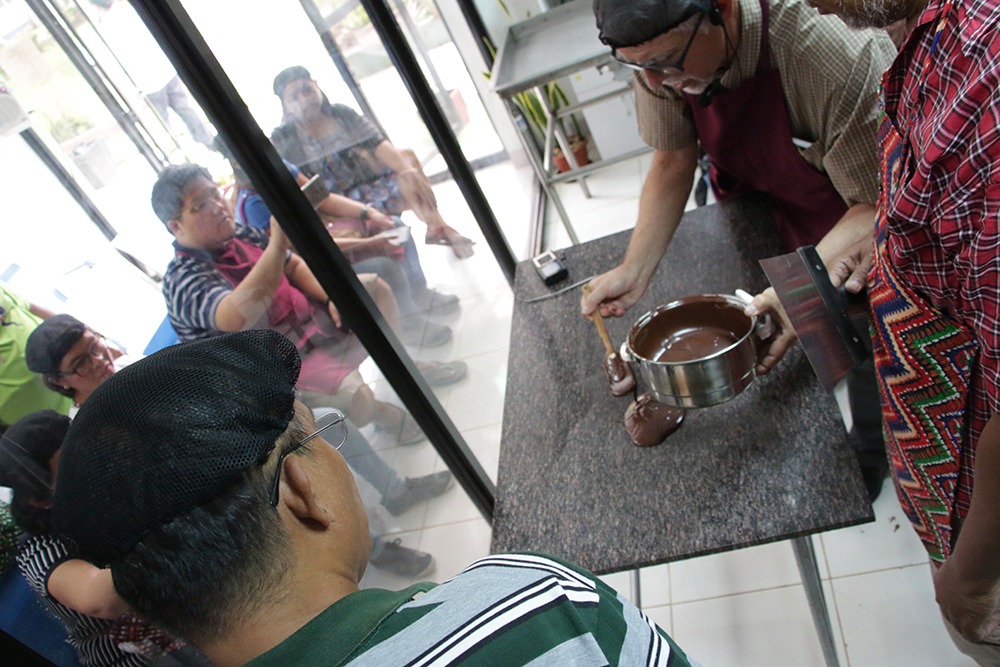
170, 433
287, 75
624, 24
50, 341
26, 447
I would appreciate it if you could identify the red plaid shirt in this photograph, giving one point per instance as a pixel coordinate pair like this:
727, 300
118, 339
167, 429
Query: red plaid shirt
944, 99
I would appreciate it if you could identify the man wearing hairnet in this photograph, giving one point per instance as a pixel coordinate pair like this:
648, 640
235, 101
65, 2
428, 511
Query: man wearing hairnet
783, 102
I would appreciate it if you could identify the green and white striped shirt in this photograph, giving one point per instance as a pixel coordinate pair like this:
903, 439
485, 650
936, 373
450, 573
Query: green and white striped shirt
511, 609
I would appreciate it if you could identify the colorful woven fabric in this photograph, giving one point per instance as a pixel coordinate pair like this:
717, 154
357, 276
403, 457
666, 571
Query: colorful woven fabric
924, 363
924, 357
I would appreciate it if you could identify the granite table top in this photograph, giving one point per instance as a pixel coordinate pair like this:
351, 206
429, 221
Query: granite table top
772, 464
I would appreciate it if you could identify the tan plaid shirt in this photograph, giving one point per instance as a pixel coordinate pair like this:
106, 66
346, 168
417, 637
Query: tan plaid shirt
830, 75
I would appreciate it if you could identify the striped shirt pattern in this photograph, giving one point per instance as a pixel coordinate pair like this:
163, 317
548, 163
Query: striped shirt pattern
943, 96
193, 288
504, 610
830, 76
92, 637
549, 607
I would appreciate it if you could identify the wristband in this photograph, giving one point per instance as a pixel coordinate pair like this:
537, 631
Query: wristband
364, 214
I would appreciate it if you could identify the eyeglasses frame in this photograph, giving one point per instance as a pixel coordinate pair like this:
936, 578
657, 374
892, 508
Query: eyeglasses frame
340, 418
89, 357
678, 65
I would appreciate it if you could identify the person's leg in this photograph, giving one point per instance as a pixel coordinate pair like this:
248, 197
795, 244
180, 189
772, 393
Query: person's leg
439, 232
866, 432
391, 272
422, 296
356, 450
986, 654
411, 265
180, 101
160, 100
398, 495
413, 329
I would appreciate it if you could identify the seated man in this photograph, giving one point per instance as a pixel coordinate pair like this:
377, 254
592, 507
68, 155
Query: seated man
353, 158
258, 556
75, 360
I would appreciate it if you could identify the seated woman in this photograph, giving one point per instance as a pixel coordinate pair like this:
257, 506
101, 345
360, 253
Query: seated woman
228, 278
354, 159
98, 623
364, 235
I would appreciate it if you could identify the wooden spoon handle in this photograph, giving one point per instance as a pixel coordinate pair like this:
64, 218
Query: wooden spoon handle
599, 323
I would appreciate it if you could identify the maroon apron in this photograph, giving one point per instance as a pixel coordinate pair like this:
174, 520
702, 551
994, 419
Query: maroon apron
747, 135
328, 354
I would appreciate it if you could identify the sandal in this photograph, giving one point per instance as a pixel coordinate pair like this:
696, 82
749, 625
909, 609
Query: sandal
445, 235
441, 373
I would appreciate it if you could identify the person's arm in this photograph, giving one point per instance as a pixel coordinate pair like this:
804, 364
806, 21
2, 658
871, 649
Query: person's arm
86, 589
846, 252
661, 205
967, 586
38, 311
301, 276
249, 300
414, 185
397, 160
339, 206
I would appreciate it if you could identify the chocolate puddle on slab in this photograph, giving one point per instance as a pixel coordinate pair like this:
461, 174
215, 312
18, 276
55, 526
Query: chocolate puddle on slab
649, 422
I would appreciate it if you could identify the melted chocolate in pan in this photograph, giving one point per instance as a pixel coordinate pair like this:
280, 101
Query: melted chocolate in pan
689, 329
649, 422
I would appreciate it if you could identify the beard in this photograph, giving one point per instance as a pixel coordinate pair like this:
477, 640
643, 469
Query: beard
873, 13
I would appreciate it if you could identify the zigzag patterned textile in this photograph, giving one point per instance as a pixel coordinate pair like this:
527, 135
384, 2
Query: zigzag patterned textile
924, 361
924, 364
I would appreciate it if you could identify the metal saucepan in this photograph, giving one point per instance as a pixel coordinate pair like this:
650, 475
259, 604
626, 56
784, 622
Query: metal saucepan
697, 351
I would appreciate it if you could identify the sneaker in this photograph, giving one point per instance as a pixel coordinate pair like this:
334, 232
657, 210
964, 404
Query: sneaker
425, 334
442, 373
403, 561
415, 490
410, 432
406, 431
436, 302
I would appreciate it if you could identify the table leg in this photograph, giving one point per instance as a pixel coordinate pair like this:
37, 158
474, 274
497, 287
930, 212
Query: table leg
537, 164
633, 581
805, 557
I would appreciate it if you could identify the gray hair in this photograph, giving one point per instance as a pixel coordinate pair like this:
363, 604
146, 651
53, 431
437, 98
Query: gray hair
168, 192
688, 25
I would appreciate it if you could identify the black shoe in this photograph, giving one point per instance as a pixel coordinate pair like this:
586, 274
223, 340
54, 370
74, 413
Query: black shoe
414, 490
404, 561
874, 476
418, 333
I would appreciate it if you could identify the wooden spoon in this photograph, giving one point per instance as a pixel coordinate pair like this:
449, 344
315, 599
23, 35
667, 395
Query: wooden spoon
599, 323
620, 377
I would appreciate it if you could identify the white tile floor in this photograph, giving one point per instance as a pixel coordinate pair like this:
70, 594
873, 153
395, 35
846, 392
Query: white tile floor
740, 608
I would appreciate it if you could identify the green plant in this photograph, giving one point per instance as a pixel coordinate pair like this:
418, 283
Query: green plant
67, 127
530, 106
